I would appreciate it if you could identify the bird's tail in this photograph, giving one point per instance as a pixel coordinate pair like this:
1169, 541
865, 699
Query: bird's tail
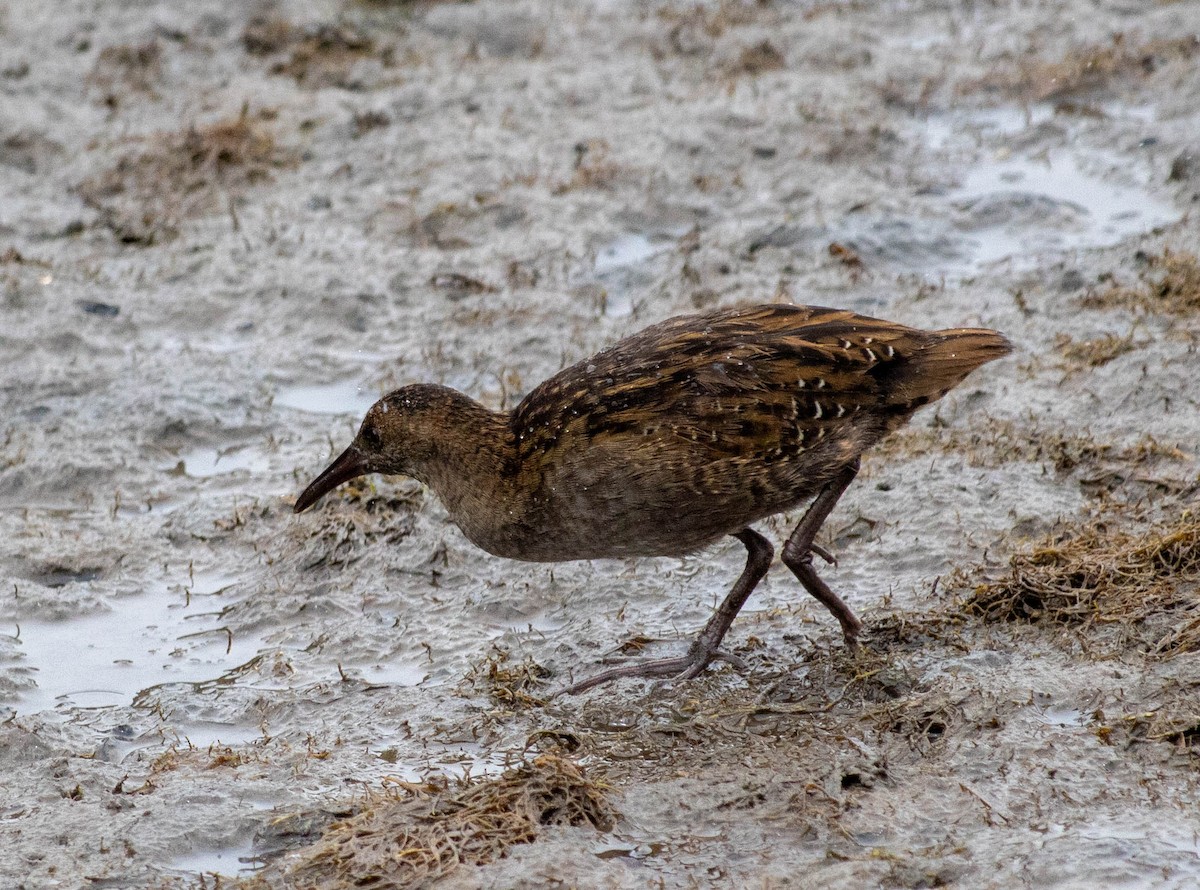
928, 373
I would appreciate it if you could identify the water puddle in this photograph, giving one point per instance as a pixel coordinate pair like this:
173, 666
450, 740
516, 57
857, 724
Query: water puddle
347, 397
391, 673
539, 622
201, 463
1062, 717
624, 251
617, 267
445, 759
637, 853
61, 577
207, 735
1064, 197
230, 862
1062, 201
172, 633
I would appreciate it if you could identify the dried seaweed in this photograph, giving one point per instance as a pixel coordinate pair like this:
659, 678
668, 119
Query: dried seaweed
319, 55
1177, 723
1170, 284
1102, 576
326, 56
1085, 69
507, 682
1094, 353
145, 195
353, 522
125, 68
758, 59
430, 831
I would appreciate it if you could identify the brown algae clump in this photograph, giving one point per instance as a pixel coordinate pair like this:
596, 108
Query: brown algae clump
1097, 576
177, 175
507, 682
1170, 284
415, 840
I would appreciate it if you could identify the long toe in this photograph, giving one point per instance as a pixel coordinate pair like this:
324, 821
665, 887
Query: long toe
683, 667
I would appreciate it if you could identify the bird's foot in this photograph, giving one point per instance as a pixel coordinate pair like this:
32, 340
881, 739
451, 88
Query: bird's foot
681, 667
823, 553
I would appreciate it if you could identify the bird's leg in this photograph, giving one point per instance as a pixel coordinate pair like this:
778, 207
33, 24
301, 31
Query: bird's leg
705, 647
799, 549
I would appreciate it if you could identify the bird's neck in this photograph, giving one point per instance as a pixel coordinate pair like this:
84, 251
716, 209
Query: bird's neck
471, 468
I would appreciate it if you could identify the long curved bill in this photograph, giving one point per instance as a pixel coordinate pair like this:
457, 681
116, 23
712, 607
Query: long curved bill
349, 465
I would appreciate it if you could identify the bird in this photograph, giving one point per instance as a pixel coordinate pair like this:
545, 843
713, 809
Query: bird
675, 437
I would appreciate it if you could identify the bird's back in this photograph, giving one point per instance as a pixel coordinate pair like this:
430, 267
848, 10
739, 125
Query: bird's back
697, 426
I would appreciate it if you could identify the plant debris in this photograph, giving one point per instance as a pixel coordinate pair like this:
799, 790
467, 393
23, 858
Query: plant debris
506, 682
1103, 576
326, 56
1094, 353
1086, 69
182, 174
319, 55
268, 34
430, 831
758, 59
1177, 723
121, 69
352, 523
1170, 284
593, 168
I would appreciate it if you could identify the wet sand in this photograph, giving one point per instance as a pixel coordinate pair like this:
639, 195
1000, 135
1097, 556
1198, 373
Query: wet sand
224, 232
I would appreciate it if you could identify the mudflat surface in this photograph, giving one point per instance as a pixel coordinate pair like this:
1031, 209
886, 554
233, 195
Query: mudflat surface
224, 231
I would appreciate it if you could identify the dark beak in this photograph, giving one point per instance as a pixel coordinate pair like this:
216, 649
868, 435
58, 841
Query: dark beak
350, 465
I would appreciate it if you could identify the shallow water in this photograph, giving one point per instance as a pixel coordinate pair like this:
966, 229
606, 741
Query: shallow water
200, 463
1100, 208
1022, 204
230, 862
171, 633
621, 266
347, 397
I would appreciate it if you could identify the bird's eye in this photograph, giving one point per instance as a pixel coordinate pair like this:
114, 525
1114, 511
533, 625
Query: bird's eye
370, 436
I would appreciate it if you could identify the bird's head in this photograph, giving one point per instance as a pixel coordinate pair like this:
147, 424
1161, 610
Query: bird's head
400, 435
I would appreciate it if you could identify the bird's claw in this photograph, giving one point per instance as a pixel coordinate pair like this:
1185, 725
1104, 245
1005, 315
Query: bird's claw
823, 553
682, 667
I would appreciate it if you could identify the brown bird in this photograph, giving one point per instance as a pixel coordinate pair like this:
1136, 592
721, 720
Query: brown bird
690, 430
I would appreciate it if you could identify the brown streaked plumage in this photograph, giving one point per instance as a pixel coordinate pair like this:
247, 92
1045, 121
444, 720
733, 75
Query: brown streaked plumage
690, 430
